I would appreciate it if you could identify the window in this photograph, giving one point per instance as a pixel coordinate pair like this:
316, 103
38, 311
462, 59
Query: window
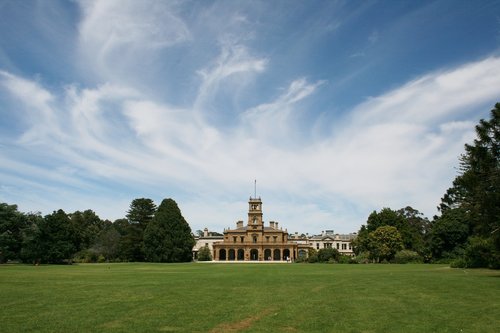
255, 239
274, 238
350, 246
267, 239
344, 246
317, 246
234, 239
242, 238
338, 246
206, 244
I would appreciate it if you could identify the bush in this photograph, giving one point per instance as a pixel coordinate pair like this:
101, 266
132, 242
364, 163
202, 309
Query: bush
362, 258
478, 252
459, 263
328, 254
407, 256
313, 259
204, 254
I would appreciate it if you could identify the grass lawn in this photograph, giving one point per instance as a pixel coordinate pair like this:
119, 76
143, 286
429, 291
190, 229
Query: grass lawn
248, 298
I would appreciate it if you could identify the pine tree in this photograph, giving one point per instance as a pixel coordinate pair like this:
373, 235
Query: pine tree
168, 237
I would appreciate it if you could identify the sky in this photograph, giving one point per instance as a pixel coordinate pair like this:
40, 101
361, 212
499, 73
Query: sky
335, 108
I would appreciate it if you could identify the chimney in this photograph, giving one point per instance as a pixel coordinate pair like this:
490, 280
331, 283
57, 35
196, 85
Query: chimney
322, 233
205, 232
276, 225
239, 224
271, 224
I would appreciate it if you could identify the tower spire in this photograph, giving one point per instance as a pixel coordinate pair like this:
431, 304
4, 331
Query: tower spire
255, 188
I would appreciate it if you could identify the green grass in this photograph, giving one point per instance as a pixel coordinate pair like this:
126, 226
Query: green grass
248, 298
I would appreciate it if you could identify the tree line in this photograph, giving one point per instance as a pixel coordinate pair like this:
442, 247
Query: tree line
467, 231
148, 233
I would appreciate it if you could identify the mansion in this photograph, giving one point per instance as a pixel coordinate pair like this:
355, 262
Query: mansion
257, 242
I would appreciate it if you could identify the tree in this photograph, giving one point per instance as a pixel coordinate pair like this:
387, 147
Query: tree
87, 226
328, 254
409, 222
414, 230
12, 223
141, 212
107, 242
139, 215
385, 242
204, 254
386, 216
449, 233
50, 240
168, 237
476, 190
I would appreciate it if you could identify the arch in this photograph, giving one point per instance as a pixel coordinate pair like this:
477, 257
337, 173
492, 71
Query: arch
254, 254
241, 254
222, 254
277, 254
286, 254
267, 254
231, 254
302, 254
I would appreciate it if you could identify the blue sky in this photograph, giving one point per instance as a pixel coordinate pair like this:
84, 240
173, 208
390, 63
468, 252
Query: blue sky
337, 108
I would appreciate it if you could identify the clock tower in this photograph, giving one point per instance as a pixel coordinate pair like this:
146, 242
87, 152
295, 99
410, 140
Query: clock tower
255, 214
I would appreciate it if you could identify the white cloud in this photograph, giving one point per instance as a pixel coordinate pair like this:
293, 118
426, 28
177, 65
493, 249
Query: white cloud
115, 34
393, 150
233, 61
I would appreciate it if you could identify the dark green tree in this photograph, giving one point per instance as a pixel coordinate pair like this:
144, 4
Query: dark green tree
141, 212
108, 243
449, 234
328, 254
476, 190
87, 226
12, 224
50, 239
168, 237
139, 215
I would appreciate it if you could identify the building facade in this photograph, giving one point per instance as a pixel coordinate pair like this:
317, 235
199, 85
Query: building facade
208, 239
257, 242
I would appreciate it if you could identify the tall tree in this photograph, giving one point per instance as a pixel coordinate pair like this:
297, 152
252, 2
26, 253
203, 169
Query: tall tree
141, 212
476, 190
12, 223
51, 239
87, 226
168, 237
449, 233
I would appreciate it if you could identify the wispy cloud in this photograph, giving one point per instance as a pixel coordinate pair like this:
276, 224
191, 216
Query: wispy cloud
395, 149
154, 111
114, 34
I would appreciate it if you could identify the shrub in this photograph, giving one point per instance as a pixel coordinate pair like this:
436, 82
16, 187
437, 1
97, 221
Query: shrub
313, 258
204, 254
328, 254
362, 258
478, 252
407, 256
458, 263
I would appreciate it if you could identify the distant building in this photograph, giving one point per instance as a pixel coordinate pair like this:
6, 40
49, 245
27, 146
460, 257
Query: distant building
257, 242
327, 239
208, 239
